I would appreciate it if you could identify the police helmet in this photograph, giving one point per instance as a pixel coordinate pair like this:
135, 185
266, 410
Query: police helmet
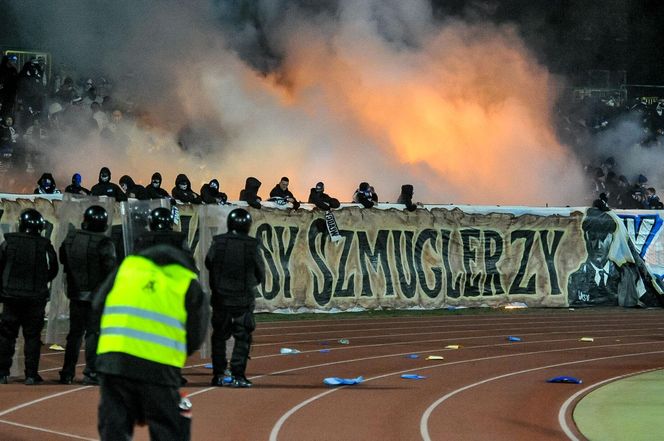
31, 221
95, 219
160, 219
239, 220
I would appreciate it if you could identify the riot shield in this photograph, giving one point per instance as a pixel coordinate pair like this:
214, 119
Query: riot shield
69, 216
134, 214
211, 221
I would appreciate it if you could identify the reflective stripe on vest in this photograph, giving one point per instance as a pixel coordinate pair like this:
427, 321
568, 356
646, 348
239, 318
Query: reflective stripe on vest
145, 314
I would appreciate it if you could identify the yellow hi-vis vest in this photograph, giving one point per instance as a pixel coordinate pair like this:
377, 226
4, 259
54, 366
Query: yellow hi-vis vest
145, 314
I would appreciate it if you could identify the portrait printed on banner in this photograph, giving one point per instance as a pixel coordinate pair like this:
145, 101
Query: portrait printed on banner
605, 277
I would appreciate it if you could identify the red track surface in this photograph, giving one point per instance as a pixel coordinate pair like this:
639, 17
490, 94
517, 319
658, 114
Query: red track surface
489, 389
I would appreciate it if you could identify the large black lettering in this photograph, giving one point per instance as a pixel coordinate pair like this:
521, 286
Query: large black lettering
549, 256
407, 282
264, 235
428, 235
529, 237
285, 252
321, 296
492, 284
375, 257
453, 284
349, 290
471, 288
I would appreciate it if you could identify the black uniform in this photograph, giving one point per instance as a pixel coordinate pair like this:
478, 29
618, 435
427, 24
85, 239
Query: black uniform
148, 239
106, 188
135, 390
154, 190
236, 269
28, 263
211, 195
363, 195
322, 200
88, 258
75, 186
134, 190
182, 191
250, 192
282, 196
46, 185
406, 197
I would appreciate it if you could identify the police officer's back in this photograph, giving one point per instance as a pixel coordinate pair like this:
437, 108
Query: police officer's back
88, 257
152, 314
27, 263
236, 268
160, 222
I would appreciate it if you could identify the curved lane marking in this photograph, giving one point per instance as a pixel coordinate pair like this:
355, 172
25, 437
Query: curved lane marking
39, 400
277, 427
41, 429
424, 421
562, 412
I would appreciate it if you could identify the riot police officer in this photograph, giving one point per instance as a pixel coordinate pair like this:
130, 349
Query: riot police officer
160, 222
236, 269
28, 263
88, 256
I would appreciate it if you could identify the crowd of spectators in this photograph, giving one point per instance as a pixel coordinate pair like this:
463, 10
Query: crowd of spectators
37, 112
582, 121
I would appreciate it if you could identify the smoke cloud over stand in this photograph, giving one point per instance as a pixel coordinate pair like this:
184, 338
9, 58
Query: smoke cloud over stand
342, 92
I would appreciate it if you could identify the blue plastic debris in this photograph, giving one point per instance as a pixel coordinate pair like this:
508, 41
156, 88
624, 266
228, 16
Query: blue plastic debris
413, 356
512, 338
325, 351
208, 366
413, 377
336, 381
564, 379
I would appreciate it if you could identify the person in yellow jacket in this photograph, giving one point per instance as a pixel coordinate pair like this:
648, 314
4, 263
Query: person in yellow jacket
151, 315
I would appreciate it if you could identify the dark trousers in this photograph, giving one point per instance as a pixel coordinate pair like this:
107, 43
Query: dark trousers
80, 317
28, 315
239, 324
125, 402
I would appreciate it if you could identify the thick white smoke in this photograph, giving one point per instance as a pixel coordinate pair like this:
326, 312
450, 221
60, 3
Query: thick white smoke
344, 92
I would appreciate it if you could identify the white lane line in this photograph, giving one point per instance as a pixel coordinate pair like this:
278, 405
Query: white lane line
448, 327
453, 320
54, 432
39, 400
503, 332
424, 421
562, 412
277, 427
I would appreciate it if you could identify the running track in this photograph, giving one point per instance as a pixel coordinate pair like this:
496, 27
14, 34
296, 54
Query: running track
489, 389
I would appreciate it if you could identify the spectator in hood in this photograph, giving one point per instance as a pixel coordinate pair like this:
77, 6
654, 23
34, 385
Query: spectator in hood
132, 189
282, 195
652, 200
154, 190
250, 192
210, 193
322, 200
363, 195
602, 203
182, 191
46, 185
406, 198
106, 188
75, 186
8, 135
